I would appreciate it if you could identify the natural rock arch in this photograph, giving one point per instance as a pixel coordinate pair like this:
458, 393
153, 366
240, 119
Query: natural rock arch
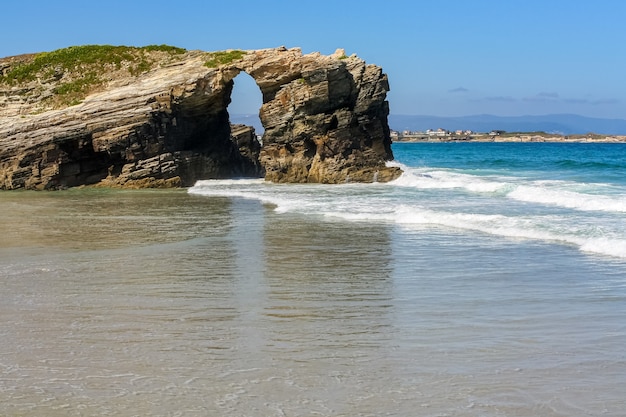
325, 117
325, 120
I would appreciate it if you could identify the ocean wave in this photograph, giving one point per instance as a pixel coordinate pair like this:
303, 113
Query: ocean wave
238, 188
389, 203
226, 182
551, 193
569, 199
305, 198
542, 228
605, 246
537, 228
427, 178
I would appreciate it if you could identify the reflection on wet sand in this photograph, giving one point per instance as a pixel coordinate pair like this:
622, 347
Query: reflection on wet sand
161, 303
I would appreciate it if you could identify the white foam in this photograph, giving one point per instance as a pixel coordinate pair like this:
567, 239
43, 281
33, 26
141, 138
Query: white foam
227, 182
382, 203
605, 246
441, 179
496, 224
252, 189
305, 198
533, 228
551, 193
569, 199
362, 216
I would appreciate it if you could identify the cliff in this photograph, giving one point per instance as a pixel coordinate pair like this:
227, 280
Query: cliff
157, 116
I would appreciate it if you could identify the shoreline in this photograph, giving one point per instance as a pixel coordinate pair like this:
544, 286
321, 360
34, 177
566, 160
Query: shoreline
513, 138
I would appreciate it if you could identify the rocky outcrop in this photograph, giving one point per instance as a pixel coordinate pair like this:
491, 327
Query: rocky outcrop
325, 120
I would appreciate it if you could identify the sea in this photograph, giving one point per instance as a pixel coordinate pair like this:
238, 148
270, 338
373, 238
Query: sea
488, 280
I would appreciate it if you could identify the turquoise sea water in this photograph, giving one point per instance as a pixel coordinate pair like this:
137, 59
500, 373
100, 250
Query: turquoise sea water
489, 280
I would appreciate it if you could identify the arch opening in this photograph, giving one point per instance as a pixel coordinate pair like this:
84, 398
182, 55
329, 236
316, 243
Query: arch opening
245, 103
246, 130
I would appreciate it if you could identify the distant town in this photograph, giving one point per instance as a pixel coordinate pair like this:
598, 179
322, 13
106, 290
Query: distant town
443, 135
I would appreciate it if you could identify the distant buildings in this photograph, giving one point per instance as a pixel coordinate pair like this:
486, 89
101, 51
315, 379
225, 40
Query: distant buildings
431, 134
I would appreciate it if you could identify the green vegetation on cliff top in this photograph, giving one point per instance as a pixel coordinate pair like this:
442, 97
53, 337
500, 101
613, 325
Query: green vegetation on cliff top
74, 57
72, 73
215, 59
76, 71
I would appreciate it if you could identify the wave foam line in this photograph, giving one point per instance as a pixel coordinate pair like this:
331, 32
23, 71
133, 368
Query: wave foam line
439, 179
244, 188
510, 227
569, 199
334, 205
551, 193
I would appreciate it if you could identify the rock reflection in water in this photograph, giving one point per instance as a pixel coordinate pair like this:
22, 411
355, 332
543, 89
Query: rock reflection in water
159, 303
320, 326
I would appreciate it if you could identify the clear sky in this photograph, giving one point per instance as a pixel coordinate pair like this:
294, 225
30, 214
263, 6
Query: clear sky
443, 57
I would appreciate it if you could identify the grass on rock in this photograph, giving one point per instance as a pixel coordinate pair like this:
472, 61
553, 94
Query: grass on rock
215, 59
76, 71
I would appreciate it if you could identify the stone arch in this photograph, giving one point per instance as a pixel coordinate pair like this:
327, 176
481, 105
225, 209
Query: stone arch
325, 120
325, 117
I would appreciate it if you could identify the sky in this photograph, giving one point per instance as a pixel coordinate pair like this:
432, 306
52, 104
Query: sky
443, 57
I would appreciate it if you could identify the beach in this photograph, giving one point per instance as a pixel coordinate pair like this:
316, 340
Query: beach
488, 280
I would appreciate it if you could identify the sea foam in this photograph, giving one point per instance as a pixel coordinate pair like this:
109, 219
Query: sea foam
499, 205
568, 199
440, 179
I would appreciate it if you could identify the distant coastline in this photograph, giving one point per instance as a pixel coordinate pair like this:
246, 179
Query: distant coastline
498, 136
556, 125
550, 128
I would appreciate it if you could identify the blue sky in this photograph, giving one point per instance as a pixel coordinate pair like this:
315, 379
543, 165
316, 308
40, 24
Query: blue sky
443, 57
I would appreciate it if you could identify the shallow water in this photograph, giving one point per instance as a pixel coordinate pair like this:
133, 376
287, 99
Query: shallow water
162, 303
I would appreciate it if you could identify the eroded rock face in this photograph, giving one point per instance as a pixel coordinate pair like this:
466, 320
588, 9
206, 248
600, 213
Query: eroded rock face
325, 120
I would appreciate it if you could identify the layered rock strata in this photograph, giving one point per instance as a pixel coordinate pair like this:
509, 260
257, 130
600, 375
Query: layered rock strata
325, 120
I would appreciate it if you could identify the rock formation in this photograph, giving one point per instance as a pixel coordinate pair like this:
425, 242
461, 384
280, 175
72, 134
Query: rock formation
163, 120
